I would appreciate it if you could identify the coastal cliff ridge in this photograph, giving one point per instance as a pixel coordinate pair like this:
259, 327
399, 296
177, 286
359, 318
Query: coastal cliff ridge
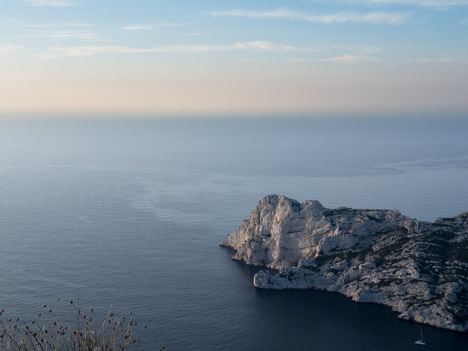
419, 269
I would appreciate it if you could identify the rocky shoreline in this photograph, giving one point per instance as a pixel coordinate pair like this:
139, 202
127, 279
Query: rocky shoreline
419, 269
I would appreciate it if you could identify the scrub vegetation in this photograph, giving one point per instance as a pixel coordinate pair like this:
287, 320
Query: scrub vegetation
75, 331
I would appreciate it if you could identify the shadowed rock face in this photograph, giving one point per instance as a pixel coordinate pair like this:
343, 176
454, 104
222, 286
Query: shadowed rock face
420, 269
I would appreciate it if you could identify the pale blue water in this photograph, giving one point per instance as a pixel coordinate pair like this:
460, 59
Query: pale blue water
129, 214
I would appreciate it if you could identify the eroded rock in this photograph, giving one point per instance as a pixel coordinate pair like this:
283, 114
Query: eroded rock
420, 269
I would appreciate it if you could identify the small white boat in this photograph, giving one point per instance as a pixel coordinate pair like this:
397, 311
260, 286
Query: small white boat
421, 340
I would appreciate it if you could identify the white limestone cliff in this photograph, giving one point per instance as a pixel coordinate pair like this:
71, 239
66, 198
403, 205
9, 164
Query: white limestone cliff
418, 268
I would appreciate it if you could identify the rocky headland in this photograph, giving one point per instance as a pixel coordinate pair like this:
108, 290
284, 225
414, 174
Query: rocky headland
419, 269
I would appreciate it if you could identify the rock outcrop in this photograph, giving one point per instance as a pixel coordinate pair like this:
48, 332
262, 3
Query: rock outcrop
420, 269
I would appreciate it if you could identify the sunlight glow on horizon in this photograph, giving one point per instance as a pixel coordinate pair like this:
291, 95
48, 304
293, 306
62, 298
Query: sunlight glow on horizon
340, 57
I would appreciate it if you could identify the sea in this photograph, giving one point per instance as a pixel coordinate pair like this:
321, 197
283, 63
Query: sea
126, 214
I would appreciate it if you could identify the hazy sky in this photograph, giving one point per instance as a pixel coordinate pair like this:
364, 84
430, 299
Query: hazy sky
233, 57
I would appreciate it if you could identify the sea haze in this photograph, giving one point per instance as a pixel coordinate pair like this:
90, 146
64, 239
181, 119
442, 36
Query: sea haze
128, 214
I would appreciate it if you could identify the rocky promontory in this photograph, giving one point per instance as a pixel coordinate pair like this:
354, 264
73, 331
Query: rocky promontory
420, 269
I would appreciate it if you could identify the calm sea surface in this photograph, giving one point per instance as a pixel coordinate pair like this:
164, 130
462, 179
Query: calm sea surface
128, 215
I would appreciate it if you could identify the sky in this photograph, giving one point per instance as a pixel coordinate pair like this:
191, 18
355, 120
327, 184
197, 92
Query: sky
204, 57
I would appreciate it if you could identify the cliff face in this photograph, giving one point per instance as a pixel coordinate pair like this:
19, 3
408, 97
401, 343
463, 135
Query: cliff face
420, 269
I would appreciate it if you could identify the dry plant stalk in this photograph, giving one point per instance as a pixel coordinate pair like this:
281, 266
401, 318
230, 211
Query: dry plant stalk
49, 332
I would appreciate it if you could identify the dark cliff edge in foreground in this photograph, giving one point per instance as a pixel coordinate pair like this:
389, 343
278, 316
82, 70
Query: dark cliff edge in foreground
420, 269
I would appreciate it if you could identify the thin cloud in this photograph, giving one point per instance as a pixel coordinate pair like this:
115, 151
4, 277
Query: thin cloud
60, 25
74, 51
264, 46
363, 53
345, 59
362, 49
245, 61
434, 59
9, 49
62, 35
424, 3
418, 3
51, 3
137, 27
62, 30
393, 18
150, 26
370, 50
300, 59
